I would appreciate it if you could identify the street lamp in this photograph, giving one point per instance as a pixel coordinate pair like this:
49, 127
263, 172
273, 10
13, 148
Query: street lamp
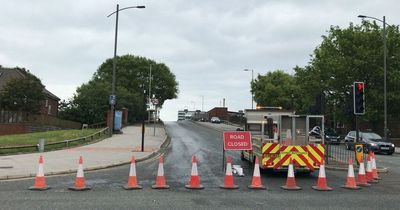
384, 69
112, 104
252, 78
150, 78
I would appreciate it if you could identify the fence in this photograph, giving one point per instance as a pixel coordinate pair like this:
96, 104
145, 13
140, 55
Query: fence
339, 154
55, 145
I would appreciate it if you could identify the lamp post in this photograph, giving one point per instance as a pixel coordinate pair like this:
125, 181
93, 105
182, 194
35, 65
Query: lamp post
116, 12
383, 21
252, 79
150, 78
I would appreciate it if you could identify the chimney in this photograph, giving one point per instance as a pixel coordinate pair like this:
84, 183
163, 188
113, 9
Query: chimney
223, 103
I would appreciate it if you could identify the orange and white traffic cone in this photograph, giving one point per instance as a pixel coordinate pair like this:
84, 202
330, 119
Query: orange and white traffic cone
160, 180
40, 181
194, 182
80, 184
370, 177
351, 180
362, 178
256, 182
228, 183
132, 179
374, 169
321, 184
291, 182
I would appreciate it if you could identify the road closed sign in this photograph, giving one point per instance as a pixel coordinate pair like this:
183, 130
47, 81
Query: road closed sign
237, 140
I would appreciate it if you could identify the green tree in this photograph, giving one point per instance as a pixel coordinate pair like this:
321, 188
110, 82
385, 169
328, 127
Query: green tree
23, 94
276, 88
90, 103
347, 55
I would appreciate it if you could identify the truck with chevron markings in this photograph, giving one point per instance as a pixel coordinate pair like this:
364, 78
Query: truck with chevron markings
279, 136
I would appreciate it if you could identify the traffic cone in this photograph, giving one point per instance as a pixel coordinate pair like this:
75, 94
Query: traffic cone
370, 177
374, 169
228, 183
351, 181
321, 184
80, 184
362, 179
291, 182
40, 182
256, 182
160, 180
132, 180
194, 182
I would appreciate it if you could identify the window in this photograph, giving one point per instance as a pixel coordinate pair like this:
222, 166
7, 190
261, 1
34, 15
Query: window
352, 134
49, 110
254, 127
47, 102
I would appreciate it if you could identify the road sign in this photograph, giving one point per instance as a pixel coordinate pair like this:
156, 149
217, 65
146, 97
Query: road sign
359, 149
112, 99
237, 140
154, 101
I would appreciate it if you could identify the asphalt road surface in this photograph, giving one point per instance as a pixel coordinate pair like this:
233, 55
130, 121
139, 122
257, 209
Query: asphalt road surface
188, 138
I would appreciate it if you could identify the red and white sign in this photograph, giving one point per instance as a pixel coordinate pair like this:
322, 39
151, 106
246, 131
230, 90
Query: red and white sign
237, 140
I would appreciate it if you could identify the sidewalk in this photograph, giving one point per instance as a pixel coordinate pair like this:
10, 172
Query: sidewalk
113, 151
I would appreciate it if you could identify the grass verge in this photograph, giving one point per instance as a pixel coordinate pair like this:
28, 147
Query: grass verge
53, 140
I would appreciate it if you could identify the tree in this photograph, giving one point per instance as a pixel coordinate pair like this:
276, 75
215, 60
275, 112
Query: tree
347, 55
90, 103
275, 89
23, 94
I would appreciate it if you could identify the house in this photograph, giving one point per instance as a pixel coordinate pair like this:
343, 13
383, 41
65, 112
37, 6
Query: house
49, 105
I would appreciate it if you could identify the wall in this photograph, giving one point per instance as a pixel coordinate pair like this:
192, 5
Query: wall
52, 105
13, 128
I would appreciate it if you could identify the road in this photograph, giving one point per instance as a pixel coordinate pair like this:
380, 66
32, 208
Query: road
188, 138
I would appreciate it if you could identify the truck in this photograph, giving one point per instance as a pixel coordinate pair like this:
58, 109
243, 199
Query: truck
279, 136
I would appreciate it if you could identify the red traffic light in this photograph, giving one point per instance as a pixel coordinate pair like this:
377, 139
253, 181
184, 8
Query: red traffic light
360, 86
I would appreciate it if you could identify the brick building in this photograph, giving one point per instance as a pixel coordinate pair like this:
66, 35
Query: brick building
49, 105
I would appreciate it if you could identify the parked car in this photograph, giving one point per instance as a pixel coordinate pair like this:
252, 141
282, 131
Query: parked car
215, 120
372, 140
330, 135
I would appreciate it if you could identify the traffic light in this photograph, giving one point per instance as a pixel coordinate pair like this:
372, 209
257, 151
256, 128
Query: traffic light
359, 98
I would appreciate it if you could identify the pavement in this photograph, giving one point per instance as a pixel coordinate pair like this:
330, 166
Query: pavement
113, 151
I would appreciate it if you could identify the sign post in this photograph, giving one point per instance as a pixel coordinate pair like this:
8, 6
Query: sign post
155, 103
236, 140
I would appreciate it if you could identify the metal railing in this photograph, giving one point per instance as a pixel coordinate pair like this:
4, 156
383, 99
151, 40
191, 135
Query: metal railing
54, 145
340, 153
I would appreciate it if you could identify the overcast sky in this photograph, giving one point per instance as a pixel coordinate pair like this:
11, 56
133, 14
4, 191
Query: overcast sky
206, 43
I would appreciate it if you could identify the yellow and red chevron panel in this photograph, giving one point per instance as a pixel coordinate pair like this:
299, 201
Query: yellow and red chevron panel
270, 153
298, 154
276, 155
316, 153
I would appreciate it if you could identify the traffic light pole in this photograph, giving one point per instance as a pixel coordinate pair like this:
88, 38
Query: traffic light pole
357, 131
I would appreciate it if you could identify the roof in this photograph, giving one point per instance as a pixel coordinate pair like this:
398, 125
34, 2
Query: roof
7, 74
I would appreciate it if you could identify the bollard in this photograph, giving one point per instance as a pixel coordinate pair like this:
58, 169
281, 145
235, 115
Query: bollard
41, 145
